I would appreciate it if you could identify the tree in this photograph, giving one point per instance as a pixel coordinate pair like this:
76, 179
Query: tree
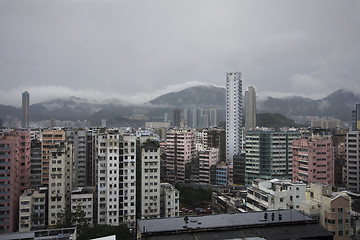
76, 218
97, 231
64, 219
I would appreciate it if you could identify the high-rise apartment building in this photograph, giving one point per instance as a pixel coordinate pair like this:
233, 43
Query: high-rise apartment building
148, 177
207, 158
60, 181
176, 117
356, 118
216, 138
48, 139
195, 117
35, 163
269, 154
169, 201
116, 179
239, 169
213, 117
83, 146
352, 164
233, 114
14, 176
180, 149
313, 160
250, 108
25, 109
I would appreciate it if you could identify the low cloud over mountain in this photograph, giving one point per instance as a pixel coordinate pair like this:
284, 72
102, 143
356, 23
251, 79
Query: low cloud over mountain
339, 104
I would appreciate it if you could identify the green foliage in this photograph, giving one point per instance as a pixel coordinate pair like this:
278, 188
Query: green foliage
75, 218
121, 232
64, 219
194, 197
78, 218
274, 120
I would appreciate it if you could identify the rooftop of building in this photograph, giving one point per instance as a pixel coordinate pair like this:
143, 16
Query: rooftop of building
286, 224
61, 233
168, 186
271, 184
83, 190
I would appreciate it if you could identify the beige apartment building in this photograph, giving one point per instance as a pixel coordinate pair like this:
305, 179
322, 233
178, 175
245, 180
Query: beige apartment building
48, 139
332, 209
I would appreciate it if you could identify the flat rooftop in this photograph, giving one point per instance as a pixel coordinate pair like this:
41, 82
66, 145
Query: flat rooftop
221, 221
238, 226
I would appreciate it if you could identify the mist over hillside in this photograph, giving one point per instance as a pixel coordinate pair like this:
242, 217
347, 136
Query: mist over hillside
338, 104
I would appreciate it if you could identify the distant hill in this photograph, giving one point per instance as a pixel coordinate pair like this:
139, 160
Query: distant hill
206, 96
76, 109
339, 104
274, 120
9, 111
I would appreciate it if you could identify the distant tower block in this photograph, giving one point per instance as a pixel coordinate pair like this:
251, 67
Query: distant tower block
250, 108
177, 117
25, 109
103, 123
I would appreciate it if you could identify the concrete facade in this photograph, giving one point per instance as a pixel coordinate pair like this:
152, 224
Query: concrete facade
313, 160
332, 209
84, 198
14, 176
148, 185
48, 139
33, 210
25, 109
180, 149
169, 201
60, 181
352, 164
233, 114
275, 195
116, 175
268, 154
207, 158
250, 108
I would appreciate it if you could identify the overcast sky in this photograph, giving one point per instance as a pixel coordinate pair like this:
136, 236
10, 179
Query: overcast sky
137, 50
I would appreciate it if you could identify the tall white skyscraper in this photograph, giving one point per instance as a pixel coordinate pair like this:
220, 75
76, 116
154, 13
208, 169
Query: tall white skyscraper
233, 114
250, 108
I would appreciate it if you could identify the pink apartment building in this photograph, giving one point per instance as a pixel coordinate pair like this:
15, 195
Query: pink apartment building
14, 176
207, 158
180, 149
313, 160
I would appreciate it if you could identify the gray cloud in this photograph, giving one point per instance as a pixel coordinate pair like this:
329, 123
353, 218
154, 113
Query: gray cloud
133, 50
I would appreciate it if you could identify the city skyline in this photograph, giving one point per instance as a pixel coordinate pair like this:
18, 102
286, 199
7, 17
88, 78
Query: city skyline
99, 50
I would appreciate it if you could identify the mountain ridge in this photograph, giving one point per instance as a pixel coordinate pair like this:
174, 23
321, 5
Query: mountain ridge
338, 104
